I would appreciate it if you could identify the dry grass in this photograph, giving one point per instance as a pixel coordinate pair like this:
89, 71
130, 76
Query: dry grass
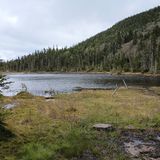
36, 120
125, 108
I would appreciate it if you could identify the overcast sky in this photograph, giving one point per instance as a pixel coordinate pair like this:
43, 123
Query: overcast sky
28, 25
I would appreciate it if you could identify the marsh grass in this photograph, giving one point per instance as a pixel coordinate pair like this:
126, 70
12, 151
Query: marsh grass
36, 151
62, 129
24, 95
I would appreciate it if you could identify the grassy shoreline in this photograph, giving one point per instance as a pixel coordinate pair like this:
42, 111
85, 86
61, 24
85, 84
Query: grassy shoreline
61, 128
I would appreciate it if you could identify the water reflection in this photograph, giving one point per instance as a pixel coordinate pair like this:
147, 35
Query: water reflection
38, 84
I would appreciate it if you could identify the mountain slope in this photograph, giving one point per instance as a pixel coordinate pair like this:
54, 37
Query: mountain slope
130, 45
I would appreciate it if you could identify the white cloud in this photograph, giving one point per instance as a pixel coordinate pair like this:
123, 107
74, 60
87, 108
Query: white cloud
12, 20
7, 20
28, 25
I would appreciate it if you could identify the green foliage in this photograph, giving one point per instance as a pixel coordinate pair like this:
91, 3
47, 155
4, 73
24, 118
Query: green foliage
36, 151
156, 121
71, 145
63, 130
131, 37
2, 112
5, 133
2, 81
75, 143
1, 96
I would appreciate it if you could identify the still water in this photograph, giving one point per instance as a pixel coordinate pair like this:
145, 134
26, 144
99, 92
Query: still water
38, 84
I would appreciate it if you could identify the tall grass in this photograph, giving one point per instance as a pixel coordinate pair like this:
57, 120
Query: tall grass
36, 151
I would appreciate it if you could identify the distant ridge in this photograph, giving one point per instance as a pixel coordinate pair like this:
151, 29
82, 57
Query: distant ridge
132, 44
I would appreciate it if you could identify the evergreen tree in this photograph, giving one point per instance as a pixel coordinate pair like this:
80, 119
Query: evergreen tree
130, 45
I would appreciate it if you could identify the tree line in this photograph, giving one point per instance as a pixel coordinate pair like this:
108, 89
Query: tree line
127, 46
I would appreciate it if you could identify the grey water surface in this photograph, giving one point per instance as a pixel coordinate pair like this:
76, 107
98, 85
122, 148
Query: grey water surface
38, 84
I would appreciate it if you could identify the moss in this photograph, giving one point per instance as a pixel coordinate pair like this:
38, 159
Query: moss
1, 96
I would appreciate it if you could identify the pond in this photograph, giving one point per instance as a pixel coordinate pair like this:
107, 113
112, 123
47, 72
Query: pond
39, 84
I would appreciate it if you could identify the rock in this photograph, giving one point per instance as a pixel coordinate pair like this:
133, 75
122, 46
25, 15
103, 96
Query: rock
146, 149
130, 127
105, 127
77, 89
131, 149
158, 138
50, 100
9, 106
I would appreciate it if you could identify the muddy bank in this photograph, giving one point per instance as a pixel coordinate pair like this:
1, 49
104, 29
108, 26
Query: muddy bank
141, 144
132, 143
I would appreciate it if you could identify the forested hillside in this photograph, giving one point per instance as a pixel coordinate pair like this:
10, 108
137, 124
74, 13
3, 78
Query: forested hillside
130, 45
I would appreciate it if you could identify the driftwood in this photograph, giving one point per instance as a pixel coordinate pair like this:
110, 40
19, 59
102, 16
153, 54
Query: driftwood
125, 84
94, 89
117, 87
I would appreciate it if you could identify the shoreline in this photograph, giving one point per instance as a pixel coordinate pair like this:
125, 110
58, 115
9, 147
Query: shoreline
98, 73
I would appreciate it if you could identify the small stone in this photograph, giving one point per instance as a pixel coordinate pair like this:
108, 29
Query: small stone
50, 100
106, 127
131, 149
77, 89
130, 127
9, 106
158, 138
146, 149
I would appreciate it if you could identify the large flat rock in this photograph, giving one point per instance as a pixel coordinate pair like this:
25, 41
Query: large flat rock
106, 127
